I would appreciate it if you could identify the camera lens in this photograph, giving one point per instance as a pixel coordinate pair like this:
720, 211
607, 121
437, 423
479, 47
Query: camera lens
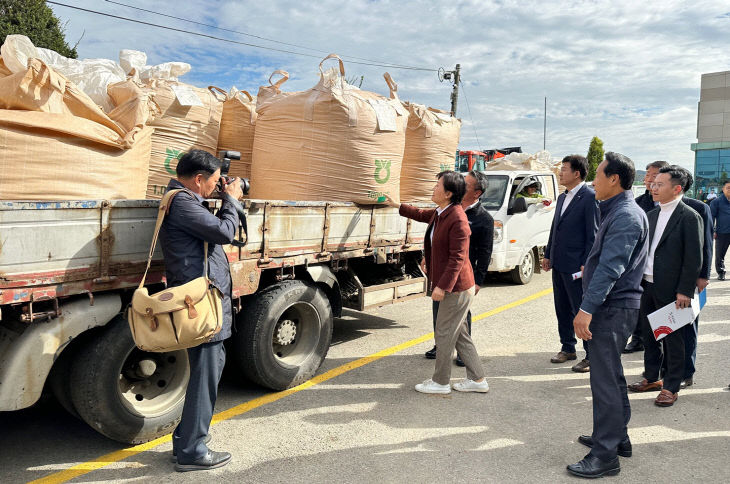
245, 185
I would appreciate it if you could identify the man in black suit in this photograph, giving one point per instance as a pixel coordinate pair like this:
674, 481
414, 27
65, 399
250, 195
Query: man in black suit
670, 276
647, 204
481, 240
571, 237
690, 331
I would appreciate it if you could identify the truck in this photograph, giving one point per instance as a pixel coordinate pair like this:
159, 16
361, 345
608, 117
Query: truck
521, 229
68, 270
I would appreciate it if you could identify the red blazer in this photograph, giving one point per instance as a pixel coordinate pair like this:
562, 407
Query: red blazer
447, 258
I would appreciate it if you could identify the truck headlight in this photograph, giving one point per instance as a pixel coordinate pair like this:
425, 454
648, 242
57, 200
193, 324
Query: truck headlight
498, 231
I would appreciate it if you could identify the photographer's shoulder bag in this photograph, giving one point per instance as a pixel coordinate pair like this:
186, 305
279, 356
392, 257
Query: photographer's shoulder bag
178, 317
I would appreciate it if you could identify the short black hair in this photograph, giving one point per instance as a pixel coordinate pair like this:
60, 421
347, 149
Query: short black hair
657, 164
196, 162
725, 183
577, 163
621, 165
482, 180
454, 183
679, 176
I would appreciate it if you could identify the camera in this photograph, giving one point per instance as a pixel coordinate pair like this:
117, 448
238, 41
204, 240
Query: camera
226, 157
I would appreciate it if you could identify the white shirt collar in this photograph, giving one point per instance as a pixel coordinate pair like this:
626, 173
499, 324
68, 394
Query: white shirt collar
670, 206
439, 211
472, 205
576, 188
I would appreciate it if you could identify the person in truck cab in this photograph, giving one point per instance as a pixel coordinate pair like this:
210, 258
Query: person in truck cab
533, 193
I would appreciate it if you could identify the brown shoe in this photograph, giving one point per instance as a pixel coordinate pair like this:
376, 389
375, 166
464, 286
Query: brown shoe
584, 366
645, 386
562, 357
666, 398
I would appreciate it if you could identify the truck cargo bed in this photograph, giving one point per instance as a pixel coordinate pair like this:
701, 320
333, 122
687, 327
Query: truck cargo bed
56, 249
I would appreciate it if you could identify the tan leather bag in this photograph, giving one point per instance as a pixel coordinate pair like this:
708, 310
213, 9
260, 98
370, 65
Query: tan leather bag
178, 317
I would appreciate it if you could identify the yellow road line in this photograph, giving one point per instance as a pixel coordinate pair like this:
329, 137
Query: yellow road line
113, 457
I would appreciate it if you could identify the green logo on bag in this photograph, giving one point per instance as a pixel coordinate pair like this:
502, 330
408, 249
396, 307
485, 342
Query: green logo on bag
445, 167
171, 155
379, 166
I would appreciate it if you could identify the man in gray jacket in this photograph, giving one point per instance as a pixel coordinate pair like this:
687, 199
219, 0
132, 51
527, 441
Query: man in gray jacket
187, 226
611, 299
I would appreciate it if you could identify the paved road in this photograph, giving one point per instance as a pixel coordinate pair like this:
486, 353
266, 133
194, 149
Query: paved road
369, 425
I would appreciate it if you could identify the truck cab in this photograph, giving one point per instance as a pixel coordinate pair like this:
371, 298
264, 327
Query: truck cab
521, 225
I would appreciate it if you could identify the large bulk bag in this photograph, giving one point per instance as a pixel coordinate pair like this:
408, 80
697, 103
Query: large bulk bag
56, 143
189, 117
332, 142
238, 122
432, 139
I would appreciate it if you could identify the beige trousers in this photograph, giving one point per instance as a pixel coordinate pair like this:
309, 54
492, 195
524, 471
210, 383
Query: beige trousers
451, 332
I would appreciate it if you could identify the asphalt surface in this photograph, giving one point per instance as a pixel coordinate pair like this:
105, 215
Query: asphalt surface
369, 425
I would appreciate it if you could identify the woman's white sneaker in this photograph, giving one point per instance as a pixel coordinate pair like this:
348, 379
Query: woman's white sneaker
430, 386
468, 385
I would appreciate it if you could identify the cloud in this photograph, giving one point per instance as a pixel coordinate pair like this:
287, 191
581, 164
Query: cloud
626, 71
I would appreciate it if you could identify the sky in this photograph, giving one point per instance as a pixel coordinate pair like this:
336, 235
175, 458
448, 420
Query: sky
625, 71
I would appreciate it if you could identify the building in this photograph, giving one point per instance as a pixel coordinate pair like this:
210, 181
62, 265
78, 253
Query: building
712, 150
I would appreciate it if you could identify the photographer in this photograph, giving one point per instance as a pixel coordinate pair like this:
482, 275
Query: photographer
187, 226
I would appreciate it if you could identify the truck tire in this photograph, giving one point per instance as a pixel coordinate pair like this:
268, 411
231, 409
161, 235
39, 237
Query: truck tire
59, 381
284, 335
124, 393
523, 272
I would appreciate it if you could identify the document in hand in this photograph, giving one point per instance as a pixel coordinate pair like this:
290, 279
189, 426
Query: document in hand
668, 319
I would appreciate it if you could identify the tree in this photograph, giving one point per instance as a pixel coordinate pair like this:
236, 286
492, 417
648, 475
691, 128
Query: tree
354, 81
595, 157
34, 19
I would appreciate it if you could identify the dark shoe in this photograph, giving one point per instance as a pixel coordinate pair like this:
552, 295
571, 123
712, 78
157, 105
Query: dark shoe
562, 357
687, 382
431, 354
721, 277
624, 447
173, 459
634, 346
459, 361
645, 386
211, 460
592, 467
666, 399
584, 366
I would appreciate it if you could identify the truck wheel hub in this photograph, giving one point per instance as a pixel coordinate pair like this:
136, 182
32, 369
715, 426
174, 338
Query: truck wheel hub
285, 332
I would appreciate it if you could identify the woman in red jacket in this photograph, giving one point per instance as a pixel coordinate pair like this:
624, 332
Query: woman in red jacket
451, 282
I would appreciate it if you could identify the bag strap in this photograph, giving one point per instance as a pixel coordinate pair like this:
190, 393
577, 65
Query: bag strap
163, 210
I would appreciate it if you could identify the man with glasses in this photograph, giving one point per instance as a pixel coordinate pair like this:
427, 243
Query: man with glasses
647, 203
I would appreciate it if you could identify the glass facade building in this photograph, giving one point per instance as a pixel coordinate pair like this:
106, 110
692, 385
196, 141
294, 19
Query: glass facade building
712, 150
712, 168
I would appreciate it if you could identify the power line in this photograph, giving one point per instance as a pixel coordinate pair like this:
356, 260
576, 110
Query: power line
470, 116
242, 33
389, 66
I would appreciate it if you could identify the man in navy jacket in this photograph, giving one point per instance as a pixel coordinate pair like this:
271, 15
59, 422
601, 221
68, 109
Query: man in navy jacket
571, 238
183, 233
611, 299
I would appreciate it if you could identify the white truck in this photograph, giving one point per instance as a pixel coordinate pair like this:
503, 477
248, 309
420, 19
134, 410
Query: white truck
68, 269
521, 229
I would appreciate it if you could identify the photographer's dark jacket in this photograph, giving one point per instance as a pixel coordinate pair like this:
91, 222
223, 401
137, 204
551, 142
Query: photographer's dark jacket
187, 225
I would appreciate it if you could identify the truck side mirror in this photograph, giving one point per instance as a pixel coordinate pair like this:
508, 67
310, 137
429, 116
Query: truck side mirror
517, 205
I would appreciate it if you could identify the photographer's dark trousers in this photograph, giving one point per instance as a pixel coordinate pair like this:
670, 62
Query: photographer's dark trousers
206, 367
610, 327
690, 348
668, 352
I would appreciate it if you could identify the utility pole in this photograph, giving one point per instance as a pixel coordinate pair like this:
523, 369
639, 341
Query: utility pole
455, 91
544, 125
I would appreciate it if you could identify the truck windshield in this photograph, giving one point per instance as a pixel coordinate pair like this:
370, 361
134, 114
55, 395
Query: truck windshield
494, 196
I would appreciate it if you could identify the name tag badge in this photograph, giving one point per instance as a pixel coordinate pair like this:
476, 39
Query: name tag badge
577, 275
